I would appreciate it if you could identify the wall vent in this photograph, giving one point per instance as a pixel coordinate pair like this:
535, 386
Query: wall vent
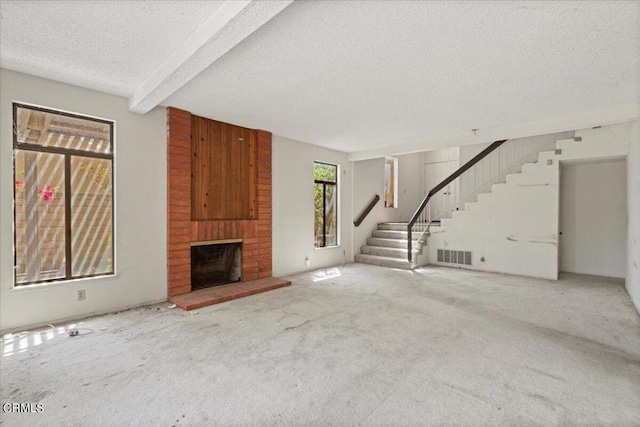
454, 257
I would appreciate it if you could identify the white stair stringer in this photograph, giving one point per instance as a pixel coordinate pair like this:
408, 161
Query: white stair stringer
514, 227
387, 247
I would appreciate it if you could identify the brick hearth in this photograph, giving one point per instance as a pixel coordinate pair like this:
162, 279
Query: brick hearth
181, 230
217, 294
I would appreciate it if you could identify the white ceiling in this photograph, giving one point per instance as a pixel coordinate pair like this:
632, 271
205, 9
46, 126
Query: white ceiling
110, 46
351, 76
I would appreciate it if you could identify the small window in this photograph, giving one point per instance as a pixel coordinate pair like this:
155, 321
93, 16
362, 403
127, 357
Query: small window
390, 182
63, 196
326, 204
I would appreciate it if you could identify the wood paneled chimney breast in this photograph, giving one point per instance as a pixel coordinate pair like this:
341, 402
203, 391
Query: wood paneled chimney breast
218, 187
223, 171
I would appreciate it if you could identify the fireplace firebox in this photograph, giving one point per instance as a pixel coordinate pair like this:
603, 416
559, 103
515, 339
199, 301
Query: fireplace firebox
215, 263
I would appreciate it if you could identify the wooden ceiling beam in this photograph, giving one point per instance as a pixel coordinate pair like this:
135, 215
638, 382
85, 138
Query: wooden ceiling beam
231, 23
48, 117
25, 116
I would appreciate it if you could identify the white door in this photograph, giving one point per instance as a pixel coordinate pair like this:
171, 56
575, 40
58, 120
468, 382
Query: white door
438, 166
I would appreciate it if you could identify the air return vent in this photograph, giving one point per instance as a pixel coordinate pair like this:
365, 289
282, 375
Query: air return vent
454, 257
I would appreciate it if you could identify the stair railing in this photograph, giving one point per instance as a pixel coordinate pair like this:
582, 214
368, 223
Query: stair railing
419, 223
507, 159
366, 210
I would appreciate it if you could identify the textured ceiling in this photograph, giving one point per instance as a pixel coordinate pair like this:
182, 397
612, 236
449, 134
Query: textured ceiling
110, 46
358, 75
351, 76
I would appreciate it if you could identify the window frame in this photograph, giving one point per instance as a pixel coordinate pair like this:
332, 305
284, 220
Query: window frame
67, 154
393, 177
337, 208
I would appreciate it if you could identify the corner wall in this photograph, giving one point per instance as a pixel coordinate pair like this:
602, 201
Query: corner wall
514, 228
594, 235
633, 214
368, 180
140, 207
293, 210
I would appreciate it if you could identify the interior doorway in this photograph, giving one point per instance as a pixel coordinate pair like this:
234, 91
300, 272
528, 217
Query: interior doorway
593, 218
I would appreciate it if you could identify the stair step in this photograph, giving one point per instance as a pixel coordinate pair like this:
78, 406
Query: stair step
543, 156
564, 143
446, 221
484, 197
528, 167
495, 188
459, 214
537, 168
394, 226
385, 261
512, 178
389, 234
385, 251
389, 243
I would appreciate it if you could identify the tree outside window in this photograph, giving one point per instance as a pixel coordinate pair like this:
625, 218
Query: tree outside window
325, 204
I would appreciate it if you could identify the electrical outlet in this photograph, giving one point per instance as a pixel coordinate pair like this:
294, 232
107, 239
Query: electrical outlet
82, 295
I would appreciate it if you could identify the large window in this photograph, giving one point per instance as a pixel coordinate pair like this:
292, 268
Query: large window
326, 204
63, 195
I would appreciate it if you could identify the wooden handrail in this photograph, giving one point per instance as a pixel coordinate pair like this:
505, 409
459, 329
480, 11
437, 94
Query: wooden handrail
366, 210
484, 153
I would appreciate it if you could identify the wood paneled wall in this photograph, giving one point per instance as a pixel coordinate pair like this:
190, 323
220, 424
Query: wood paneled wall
223, 171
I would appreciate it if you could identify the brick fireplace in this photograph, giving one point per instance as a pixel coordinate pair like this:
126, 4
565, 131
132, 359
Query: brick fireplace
183, 231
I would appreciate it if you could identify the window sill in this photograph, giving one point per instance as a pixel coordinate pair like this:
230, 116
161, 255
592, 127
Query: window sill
41, 286
327, 247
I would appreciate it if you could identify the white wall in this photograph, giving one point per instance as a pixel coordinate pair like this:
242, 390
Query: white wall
508, 158
633, 214
411, 188
293, 210
140, 195
514, 228
368, 180
593, 218
439, 165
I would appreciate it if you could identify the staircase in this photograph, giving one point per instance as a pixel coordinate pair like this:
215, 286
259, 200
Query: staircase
513, 226
387, 247
508, 223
